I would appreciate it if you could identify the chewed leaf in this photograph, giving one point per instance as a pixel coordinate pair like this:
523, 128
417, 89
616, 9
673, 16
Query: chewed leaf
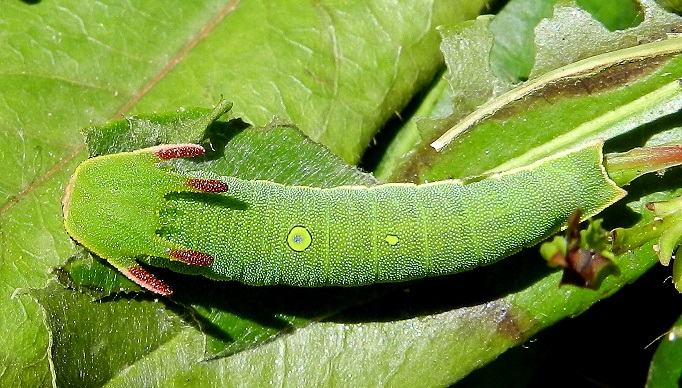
149, 130
598, 66
616, 93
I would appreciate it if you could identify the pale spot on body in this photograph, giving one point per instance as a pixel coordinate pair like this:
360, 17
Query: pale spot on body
392, 239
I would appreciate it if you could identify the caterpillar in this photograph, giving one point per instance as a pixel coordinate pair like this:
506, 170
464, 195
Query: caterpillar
131, 208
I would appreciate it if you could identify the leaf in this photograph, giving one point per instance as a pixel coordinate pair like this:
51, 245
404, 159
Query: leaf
330, 351
467, 48
513, 51
614, 14
293, 59
69, 65
610, 101
100, 330
665, 369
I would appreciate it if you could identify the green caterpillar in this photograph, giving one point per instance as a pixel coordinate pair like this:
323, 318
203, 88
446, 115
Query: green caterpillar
130, 207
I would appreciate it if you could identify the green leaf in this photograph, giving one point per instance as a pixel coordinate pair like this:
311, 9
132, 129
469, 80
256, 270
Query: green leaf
472, 79
671, 5
665, 369
337, 71
313, 65
85, 330
512, 55
548, 101
614, 14
513, 52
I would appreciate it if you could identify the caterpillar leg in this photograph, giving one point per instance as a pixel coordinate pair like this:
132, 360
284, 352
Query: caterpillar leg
145, 279
173, 151
193, 184
191, 257
187, 256
203, 185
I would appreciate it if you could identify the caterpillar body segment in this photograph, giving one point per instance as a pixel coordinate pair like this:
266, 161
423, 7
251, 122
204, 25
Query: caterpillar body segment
109, 189
347, 236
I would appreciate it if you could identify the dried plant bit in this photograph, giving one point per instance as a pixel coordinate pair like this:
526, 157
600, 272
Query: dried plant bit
587, 268
581, 254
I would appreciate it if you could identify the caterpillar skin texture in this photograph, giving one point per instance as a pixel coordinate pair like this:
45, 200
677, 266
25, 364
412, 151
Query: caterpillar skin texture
128, 207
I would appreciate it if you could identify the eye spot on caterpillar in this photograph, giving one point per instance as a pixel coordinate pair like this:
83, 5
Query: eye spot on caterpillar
392, 239
299, 238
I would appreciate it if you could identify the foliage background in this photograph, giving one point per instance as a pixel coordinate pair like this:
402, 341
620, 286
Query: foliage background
341, 71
